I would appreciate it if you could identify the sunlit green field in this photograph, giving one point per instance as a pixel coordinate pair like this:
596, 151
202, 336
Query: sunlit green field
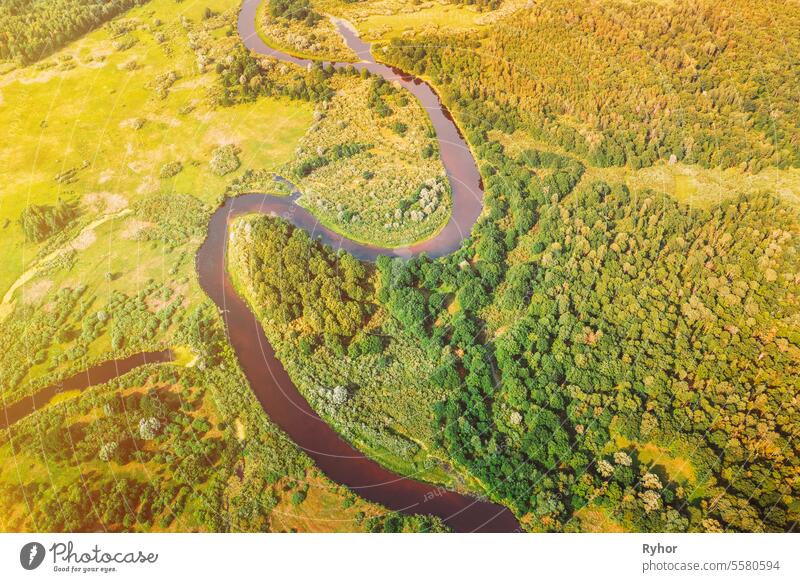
79, 109
385, 19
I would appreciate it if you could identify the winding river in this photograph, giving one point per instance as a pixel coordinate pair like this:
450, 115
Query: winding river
268, 379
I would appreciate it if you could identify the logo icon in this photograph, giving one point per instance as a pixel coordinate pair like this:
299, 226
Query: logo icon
31, 555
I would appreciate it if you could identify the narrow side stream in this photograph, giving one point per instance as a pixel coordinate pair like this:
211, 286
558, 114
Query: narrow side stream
95, 375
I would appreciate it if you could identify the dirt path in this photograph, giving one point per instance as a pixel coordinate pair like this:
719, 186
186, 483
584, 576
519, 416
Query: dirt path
6, 306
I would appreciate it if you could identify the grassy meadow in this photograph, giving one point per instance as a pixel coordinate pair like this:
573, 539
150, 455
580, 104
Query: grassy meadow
369, 166
693, 185
122, 116
96, 114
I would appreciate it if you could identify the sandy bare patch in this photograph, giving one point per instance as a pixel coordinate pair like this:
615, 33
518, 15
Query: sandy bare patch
84, 240
138, 166
193, 83
221, 136
34, 292
40, 77
147, 186
133, 124
95, 63
133, 227
168, 120
94, 58
116, 202
156, 303
105, 201
105, 176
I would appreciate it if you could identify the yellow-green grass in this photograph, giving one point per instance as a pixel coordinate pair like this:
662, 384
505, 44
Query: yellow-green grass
342, 55
593, 519
447, 17
689, 184
413, 468
323, 509
183, 356
63, 396
677, 467
55, 120
386, 19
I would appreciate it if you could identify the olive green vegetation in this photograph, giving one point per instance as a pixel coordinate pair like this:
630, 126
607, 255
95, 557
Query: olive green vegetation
357, 368
369, 167
708, 90
172, 448
98, 123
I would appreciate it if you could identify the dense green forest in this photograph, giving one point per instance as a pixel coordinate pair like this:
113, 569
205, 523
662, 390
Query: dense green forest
624, 319
578, 332
594, 349
620, 319
32, 29
630, 83
361, 370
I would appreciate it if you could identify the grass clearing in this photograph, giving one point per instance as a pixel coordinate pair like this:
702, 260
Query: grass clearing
326, 508
369, 166
678, 468
385, 19
183, 356
700, 187
690, 184
595, 519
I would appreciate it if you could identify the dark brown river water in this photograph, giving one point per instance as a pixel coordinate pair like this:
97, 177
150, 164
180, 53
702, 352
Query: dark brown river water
93, 376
